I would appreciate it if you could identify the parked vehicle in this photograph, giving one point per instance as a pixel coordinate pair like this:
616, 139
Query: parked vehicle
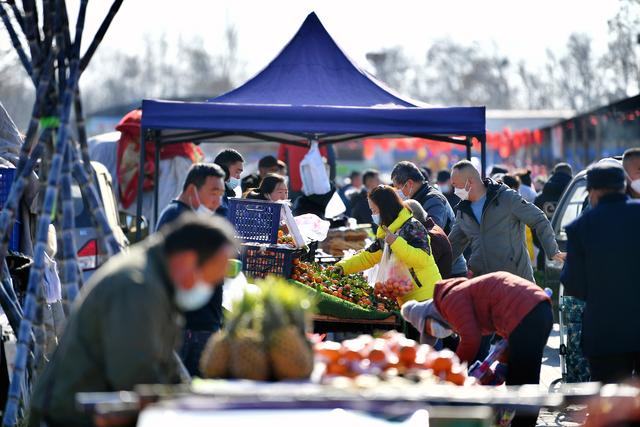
90, 255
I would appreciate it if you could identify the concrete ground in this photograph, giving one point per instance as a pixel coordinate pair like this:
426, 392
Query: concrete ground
572, 416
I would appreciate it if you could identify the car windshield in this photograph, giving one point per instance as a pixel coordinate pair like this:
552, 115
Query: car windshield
574, 204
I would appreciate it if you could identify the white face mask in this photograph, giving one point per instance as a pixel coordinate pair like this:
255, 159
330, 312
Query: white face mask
437, 329
401, 195
462, 193
202, 209
234, 182
376, 218
635, 185
194, 298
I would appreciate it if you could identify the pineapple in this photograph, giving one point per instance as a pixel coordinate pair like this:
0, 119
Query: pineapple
291, 354
215, 359
249, 359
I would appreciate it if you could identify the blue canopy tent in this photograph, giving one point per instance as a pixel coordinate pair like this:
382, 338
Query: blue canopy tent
310, 91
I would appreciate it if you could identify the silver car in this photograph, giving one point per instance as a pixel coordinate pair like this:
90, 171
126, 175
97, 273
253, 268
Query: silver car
90, 253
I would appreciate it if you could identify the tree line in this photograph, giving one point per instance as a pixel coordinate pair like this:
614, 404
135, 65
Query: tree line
450, 73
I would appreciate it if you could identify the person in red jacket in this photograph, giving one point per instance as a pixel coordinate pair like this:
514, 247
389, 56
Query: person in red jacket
502, 303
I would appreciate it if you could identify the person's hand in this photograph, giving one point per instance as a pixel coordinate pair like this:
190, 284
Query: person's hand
390, 237
560, 256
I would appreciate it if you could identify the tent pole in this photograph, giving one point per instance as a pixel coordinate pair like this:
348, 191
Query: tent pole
483, 154
140, 186
469, 143
156, 175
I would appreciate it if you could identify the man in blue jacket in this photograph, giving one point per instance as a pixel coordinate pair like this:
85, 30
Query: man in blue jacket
202, 193
603, 269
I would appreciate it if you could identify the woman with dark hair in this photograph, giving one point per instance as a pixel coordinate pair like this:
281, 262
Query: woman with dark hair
407, 238
272, 188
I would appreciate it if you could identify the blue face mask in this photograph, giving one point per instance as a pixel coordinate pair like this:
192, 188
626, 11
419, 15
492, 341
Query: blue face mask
376, 218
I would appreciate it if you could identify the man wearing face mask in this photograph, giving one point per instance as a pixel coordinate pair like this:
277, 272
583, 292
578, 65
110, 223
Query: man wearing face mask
602, 269
411, 184
126, 322
232, 163
202, 193
631, 164
491, 218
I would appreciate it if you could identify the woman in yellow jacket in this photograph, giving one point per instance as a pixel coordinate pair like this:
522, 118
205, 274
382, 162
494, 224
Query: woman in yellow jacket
407, 239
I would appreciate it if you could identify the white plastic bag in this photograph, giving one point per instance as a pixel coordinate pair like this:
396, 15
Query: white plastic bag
315, 179
312, 227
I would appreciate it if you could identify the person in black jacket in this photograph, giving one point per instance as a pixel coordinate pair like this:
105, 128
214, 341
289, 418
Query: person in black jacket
360, 209
548, 199
232, 163
602, 269
411, 184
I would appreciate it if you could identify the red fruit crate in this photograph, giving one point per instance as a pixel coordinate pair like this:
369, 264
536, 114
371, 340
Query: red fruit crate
259, 261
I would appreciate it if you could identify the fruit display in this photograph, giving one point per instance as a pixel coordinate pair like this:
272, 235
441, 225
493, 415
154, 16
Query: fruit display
265, 337
286, 239
353, 287
393, 289
389, 356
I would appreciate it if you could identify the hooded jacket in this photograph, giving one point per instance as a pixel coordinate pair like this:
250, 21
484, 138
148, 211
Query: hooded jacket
498, 240
493, 303
412, 247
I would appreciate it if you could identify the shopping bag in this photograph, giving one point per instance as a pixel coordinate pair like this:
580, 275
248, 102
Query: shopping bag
315, 179
393, 279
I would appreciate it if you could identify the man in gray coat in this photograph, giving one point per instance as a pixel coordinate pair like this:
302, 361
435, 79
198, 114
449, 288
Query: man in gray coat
491, 218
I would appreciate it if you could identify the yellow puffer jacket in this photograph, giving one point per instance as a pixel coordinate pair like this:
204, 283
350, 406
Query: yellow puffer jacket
419, 260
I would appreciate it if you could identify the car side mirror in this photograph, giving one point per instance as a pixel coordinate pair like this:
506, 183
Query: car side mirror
128, 224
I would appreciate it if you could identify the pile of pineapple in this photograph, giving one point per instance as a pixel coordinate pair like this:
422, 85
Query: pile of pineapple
265, 337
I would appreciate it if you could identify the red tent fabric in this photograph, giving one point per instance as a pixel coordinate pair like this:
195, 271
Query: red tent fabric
128, 156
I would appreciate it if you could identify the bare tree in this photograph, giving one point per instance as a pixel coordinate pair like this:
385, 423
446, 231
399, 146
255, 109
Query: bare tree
391, 66
619, 65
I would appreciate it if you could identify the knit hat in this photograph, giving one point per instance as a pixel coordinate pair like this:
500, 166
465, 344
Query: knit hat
417, 314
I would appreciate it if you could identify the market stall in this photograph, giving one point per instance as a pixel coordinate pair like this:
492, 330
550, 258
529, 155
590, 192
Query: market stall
312, 91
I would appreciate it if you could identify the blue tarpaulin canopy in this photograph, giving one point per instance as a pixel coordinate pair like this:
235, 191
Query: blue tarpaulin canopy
310, 90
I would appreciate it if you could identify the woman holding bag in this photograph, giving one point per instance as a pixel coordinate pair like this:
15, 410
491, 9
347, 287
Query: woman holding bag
407, 239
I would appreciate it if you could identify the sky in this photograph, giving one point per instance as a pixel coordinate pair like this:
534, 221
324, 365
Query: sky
522, 30
519, 29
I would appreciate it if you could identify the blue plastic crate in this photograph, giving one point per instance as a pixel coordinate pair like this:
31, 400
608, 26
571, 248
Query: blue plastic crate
255, 220
6, 180
259, 261
14, 240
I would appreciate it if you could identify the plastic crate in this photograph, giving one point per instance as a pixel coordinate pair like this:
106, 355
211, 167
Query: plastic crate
258, 261
254, 220
6, 180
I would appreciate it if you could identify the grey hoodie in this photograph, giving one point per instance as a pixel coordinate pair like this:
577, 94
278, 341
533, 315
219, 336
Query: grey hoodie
498, 242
